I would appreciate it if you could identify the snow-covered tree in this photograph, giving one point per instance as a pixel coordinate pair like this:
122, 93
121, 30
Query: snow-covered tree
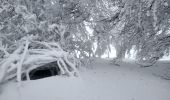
143, 22
125, 24
52, 28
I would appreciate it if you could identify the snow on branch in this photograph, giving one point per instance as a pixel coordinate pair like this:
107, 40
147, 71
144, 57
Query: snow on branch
3, 49
31, 54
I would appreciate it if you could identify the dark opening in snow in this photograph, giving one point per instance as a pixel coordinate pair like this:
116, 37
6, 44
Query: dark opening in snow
47, 70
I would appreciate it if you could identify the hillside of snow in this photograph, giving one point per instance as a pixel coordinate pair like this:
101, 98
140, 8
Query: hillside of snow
100, 81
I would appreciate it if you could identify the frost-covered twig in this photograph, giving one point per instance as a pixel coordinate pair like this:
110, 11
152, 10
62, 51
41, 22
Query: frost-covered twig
19, 66
60, 67
75, 71
4, 49
65, 67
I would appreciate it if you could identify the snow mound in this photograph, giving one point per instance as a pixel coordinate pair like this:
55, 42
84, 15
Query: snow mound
103, 82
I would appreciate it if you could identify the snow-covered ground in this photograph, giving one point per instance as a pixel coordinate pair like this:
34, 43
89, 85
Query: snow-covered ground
101, 81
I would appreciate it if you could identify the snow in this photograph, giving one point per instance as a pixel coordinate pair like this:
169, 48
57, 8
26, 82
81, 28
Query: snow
101, 81
166, 4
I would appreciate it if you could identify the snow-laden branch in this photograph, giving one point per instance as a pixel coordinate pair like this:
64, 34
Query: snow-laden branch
19, 66
4, 49
27, 58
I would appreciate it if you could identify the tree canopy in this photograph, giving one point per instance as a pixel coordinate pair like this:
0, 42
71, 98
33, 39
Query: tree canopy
89, 27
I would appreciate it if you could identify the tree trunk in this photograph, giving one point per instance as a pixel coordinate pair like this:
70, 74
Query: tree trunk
120, 53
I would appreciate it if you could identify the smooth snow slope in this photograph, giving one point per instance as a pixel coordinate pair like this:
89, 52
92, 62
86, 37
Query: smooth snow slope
103, 81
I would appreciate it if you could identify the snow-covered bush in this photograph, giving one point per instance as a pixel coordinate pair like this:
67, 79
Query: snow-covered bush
30, 54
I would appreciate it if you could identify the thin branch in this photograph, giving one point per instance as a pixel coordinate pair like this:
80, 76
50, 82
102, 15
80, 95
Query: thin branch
19, 67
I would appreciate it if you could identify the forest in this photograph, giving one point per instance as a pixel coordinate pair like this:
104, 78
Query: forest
89, 27
75, 32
